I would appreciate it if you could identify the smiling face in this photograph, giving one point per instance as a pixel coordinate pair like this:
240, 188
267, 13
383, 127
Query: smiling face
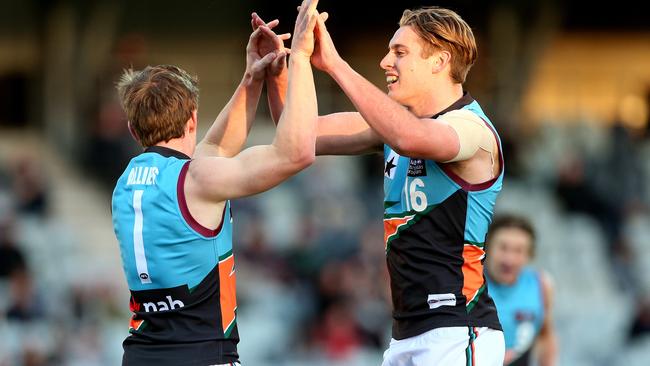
410, 74
509, 250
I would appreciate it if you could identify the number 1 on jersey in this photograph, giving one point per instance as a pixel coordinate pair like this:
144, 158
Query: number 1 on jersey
138, 242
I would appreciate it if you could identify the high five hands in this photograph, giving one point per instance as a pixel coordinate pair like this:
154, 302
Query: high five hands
315, 40
270, 43
265, 52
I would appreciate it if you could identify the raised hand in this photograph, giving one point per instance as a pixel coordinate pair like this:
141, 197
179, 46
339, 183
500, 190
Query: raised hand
303, 34
256, 63
271, 42
325, 55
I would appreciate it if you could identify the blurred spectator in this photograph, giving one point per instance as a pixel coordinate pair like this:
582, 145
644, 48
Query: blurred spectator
11, 258
29, 186
337, 332
258, 252
577, 192
623, 167
33, 357
24, 304
110, 146
351, 294
607, 205
641, 320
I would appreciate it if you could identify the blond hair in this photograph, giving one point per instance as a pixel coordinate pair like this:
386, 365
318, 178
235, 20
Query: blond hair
158, 102
443, 29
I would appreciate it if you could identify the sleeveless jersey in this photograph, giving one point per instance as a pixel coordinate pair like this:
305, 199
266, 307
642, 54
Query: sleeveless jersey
181, 275
435, 225
521, 311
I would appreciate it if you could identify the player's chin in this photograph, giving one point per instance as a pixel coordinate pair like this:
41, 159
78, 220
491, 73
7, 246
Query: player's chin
506, 275
393, 93
510, 277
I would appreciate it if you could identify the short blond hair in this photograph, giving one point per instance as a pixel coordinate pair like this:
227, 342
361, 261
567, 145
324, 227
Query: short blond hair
443, 29
158, 101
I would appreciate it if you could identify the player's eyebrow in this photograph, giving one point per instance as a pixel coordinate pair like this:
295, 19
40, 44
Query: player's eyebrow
396, 46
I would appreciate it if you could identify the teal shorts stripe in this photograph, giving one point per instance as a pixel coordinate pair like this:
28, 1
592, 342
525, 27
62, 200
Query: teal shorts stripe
469, 351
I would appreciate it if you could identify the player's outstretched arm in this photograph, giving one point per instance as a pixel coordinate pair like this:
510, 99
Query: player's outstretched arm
228, 133
346, 133
260, 168
396, 126
277, 75
339, 133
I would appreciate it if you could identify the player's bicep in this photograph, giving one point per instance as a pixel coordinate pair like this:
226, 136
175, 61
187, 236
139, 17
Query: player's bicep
427, 138
254, 170
454, 136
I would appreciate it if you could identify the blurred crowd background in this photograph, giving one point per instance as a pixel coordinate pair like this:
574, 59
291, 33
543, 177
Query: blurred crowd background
567, 84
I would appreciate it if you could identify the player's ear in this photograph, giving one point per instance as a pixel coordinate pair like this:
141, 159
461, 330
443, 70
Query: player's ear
440, 61
132, 132
193, 122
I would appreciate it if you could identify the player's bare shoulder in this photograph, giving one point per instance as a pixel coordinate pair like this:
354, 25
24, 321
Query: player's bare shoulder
478, 158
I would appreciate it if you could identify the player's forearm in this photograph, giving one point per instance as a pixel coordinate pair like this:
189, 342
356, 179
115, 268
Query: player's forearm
344, 145
276, 91
386, 117
296, 132
392, 122
228, 133
345, 133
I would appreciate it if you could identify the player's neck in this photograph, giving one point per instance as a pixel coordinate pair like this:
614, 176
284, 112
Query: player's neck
182, 144
505, 282
438, 100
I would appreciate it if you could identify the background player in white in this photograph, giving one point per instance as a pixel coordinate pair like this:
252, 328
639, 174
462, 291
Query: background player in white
523, 295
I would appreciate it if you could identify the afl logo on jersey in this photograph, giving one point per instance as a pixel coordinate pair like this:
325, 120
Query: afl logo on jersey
417, 168
144, 276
